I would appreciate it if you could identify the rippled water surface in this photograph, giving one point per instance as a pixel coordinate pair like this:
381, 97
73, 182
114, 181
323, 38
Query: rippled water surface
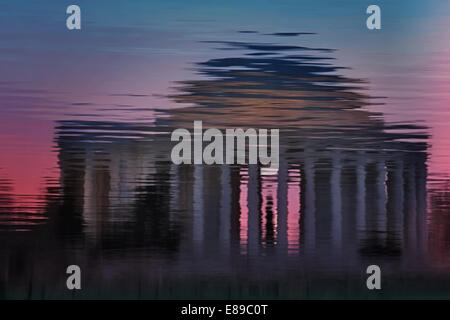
85, 170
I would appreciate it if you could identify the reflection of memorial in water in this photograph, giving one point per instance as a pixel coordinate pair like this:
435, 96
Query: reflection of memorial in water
347, 189
347, 186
